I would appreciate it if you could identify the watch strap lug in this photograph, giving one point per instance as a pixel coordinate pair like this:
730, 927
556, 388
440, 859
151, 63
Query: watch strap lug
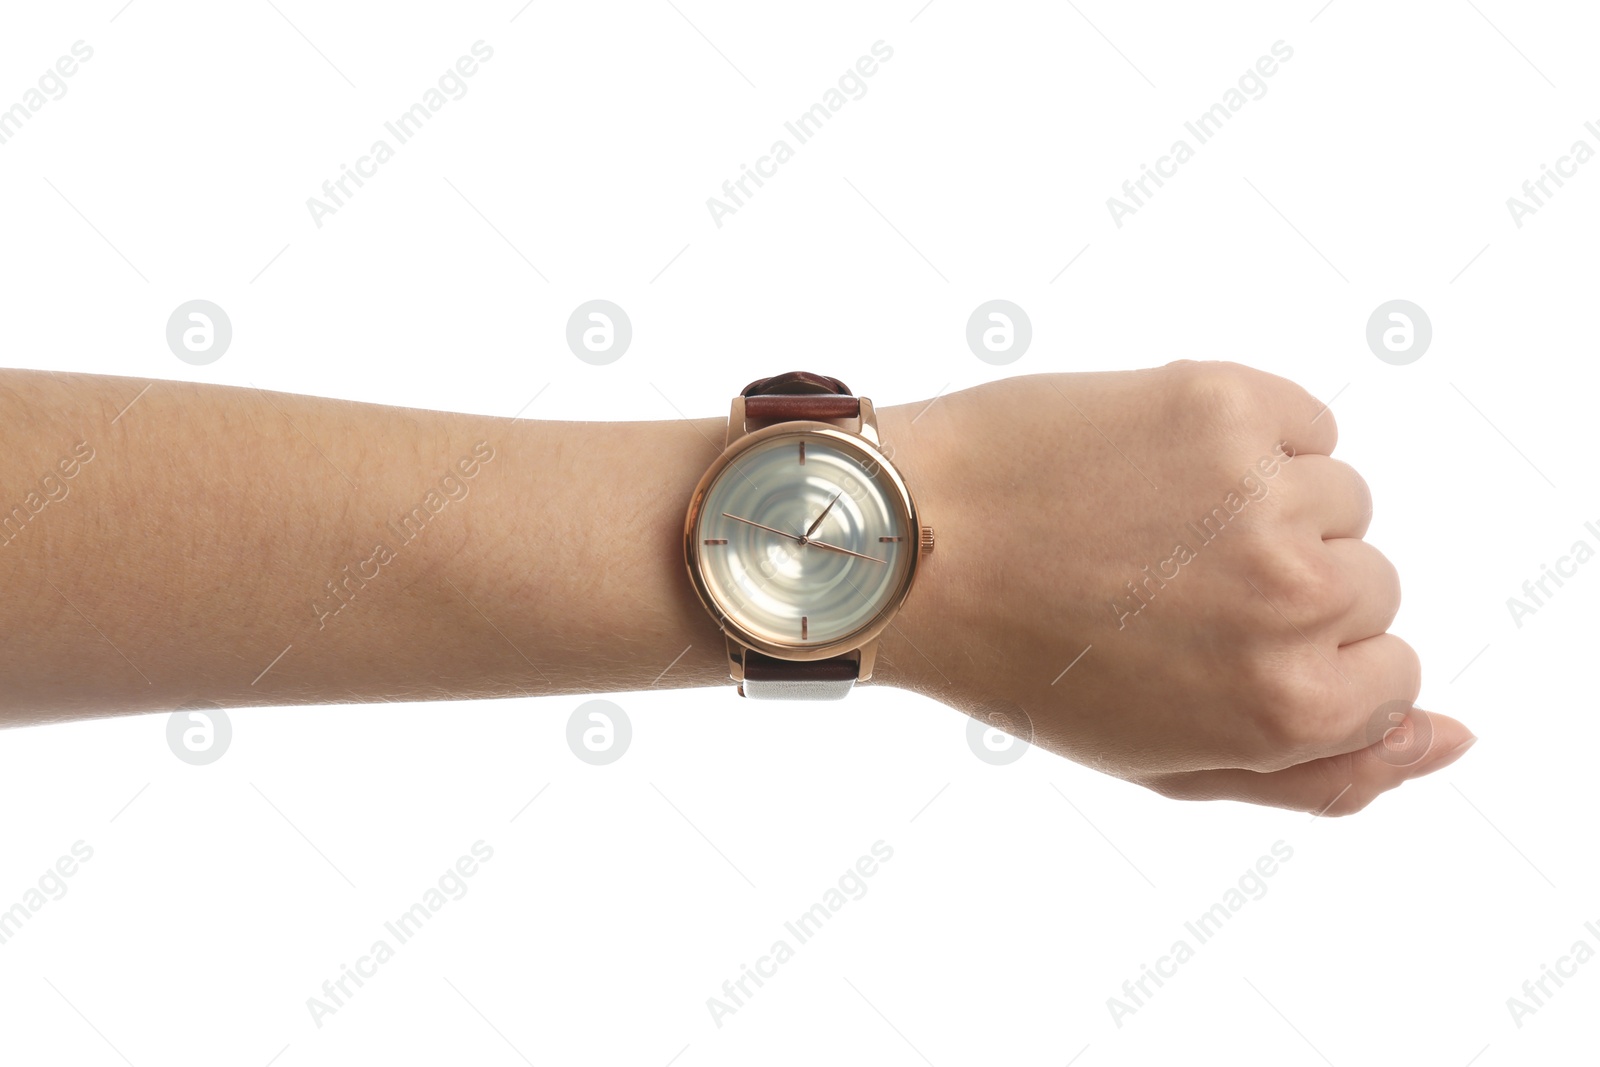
869, 423
799, 395
869, 657
767, 678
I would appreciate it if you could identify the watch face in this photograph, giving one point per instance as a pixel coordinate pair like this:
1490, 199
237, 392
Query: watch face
804, 539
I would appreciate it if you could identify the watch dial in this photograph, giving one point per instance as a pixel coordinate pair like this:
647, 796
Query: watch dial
803, 539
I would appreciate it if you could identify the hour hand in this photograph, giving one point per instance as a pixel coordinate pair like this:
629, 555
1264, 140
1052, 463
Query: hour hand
813, 527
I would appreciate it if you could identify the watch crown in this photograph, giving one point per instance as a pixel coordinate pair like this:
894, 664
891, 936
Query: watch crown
926, 543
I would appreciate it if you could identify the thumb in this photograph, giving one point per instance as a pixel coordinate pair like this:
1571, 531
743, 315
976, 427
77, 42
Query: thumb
1334, 785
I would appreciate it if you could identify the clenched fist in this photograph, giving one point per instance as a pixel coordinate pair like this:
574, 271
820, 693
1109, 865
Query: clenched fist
1161, 573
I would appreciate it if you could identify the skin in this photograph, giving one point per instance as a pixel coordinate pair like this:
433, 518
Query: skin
188, 560
1259, 670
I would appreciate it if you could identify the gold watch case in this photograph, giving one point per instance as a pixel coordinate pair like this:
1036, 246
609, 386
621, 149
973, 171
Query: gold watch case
864, 441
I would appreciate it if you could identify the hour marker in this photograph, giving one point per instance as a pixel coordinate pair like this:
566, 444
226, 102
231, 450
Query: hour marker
891, 538
716, 540
802, 627
802, 453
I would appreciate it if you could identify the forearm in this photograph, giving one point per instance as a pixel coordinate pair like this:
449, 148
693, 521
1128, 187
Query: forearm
1125, 575
246, 547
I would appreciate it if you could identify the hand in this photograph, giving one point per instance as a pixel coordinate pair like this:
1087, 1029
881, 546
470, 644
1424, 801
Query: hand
835, 548
805, 538
818, 520
1163, 571
764, 526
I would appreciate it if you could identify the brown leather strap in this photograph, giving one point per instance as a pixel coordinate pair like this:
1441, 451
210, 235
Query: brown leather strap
799, 394
766, 678
782, 408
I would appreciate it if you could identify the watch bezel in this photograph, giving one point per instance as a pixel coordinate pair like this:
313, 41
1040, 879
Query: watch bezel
801, 429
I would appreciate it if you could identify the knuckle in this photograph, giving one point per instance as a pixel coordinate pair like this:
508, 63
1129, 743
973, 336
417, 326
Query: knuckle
1303, 583
1359, 486
1408, 668
1292, 711
1214, 396
1332, 428
1387, 586
1214, 380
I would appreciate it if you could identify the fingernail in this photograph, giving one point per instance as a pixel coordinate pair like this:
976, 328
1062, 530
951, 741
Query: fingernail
1439, 764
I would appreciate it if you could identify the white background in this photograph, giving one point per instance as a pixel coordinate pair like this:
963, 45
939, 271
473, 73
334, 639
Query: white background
977, 166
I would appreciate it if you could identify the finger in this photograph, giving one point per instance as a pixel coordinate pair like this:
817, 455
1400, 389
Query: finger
1276, 406
1305, 423
1329, 699
1372, 582
1334, 785
1328, 495
1375, 675
1382, 669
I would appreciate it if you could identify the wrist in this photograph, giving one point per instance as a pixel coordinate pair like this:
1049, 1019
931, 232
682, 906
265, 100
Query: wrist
905, 655
584, 554
581, 559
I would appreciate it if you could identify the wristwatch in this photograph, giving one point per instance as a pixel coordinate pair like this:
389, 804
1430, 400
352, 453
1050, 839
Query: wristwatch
802, 539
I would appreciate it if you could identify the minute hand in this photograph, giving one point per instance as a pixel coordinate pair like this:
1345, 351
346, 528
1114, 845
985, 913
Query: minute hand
780, 533
846, 551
